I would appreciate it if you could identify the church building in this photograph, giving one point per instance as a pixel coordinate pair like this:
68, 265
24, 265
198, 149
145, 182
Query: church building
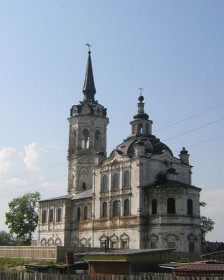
140, 196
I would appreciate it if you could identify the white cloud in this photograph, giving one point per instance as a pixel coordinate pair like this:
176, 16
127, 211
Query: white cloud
31, 157
6, 158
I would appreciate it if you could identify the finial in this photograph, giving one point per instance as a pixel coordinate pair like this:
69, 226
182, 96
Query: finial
141, 98
89, 46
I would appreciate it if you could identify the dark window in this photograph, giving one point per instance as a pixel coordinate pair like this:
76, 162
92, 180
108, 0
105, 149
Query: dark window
190, 207
44, 216
84, 186
115, 183
51, 215
126, 179
104, 209
115, 209
154, 206
98, 141
85, 213
78, 213
171, 208
191, 247
126, 207
59, 215
104, 183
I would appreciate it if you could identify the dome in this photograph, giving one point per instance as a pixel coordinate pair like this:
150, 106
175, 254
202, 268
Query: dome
150, 142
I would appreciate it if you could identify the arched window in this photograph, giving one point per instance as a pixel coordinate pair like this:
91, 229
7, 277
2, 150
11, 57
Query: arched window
104, 209
126, 207
115, 211
85, 214
85, 139
97, 141
171, 208
104, 183
115, 181
154, 206
126, 179
190, 207
78, 216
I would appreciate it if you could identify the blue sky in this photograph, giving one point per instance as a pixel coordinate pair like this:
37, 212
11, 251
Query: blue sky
173, 49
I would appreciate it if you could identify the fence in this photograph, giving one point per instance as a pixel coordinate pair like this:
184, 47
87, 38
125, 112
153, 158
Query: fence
52, 254
145, 276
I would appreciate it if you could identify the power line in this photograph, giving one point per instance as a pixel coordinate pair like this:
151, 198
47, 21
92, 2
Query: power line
194, 129
189, 118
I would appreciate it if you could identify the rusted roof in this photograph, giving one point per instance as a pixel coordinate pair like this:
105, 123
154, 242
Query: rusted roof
200, 267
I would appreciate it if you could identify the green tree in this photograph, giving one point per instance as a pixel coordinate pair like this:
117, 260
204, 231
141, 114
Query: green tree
22, 217
6, 239
207, 225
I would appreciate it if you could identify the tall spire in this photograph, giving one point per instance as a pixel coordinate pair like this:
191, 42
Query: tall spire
89, 89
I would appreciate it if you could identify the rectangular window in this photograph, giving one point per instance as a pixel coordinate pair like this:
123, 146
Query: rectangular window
51, 215
44, 216
59, 215
191, 247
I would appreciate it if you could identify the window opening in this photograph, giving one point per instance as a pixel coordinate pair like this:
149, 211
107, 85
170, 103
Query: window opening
84, 186
104, 210
85, 213
98, 141
154, 206
115, 183
126, 207
44, 216
190, 207
104, 183
115, 209
51, 215
59, 215
171, 208
78, 213
85, 139
126, 179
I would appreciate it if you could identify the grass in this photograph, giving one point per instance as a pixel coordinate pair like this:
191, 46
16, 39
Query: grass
11, 262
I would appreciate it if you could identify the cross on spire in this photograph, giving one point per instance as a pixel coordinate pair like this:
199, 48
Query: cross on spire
141, 89
89, 46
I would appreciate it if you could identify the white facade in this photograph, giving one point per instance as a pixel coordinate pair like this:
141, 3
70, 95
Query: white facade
140, 196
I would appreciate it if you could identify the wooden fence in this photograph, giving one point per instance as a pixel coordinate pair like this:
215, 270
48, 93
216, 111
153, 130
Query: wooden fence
50, 254
145, 276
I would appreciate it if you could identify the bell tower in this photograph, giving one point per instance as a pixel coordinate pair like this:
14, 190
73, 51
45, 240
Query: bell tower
87, 135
